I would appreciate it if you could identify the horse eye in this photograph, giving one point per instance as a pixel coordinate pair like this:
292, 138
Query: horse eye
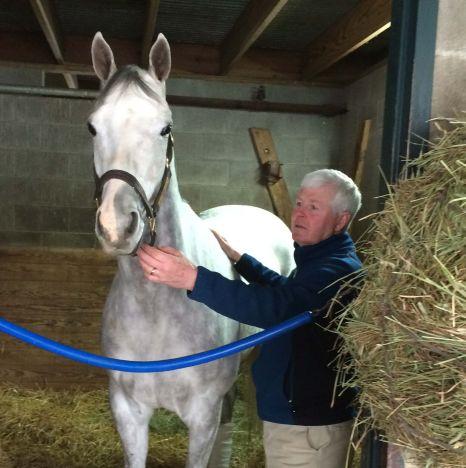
166, 130
91, 129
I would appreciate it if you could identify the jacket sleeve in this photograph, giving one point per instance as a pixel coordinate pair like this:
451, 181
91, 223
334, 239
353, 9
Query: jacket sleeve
254, 271
261, 305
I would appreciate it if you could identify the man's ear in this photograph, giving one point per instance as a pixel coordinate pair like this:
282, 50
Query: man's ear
344, 219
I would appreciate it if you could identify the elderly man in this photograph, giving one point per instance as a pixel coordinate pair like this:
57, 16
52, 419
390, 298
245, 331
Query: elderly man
307, 421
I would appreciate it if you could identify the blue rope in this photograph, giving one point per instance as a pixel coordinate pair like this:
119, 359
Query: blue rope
152, 366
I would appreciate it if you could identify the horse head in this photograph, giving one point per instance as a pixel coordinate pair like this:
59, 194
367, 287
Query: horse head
131, 129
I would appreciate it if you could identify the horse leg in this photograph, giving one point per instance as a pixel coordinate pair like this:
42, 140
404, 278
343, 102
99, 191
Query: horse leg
132, 420
221, 451
203, 423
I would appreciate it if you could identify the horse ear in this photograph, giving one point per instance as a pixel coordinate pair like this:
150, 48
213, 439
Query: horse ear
160, 59
102, 58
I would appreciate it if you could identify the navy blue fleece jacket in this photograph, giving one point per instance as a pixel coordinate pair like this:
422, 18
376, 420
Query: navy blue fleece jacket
293, 374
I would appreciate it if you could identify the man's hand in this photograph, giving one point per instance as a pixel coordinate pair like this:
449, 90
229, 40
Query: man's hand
167, 265
231, 253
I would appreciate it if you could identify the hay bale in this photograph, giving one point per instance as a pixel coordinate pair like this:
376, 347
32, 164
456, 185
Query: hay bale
406, 331
4, 460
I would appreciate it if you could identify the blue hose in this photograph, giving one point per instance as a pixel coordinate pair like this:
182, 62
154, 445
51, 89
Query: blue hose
152, 366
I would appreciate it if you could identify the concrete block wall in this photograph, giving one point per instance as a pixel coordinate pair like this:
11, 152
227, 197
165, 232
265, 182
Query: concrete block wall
46, 181
215, 158
365, 99
46, 184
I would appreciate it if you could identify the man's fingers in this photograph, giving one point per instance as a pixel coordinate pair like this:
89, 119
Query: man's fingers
216, 234
146, 267
170, 250
219, 238
146, 258
158, 252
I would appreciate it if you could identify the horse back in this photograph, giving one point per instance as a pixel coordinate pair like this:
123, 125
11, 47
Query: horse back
256, 232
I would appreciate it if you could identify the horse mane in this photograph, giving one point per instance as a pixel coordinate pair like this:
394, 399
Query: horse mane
124, 78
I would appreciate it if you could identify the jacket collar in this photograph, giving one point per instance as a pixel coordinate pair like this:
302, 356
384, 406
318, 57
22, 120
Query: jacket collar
341, 242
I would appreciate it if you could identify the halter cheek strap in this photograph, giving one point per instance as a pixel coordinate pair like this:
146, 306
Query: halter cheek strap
151, 210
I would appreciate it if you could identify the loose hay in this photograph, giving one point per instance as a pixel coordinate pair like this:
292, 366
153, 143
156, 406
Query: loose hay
74, 429
406, 330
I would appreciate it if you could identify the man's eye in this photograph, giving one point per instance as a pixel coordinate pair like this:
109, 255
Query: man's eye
166, 130
91, 129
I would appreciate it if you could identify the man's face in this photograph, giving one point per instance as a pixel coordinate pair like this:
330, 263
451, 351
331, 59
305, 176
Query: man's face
313, 218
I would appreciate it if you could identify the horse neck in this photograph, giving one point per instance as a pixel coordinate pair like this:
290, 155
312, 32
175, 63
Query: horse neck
168, 228
169, 218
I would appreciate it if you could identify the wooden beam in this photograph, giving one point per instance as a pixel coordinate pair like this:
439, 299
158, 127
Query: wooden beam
149, 30
71, 68
28, 50
49, 24
361, 151
365, 22
327, 110
257, 15
267, 155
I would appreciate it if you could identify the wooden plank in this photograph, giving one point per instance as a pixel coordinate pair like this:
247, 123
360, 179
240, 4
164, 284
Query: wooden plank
149, 30
48, 22
60, 294
278, 191
327, 110
66, 67
21, 372
255, 18
18, 271
366, 20
14, 293
58, 256
51, 315
361, 151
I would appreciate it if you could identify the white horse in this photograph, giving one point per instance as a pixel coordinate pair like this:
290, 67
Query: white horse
131, 126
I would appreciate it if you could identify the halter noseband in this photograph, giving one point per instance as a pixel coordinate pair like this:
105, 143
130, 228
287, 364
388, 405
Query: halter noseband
151, 210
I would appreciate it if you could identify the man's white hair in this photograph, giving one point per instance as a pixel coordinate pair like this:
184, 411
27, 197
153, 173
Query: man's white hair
347, 197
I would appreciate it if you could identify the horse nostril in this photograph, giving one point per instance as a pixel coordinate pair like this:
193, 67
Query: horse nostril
134, 223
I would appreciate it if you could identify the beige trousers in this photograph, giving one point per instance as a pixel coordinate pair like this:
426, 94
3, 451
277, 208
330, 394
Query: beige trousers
306, 446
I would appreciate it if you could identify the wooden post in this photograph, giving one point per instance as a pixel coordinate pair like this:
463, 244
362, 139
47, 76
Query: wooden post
270, 165
361, 151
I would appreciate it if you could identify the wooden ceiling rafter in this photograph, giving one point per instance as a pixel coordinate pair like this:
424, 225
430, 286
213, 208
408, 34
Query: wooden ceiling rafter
188, 60
70, 55
149, 30
367, 20
45, 14
252, 22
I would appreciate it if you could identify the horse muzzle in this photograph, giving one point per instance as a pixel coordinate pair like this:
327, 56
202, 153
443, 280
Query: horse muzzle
119, 235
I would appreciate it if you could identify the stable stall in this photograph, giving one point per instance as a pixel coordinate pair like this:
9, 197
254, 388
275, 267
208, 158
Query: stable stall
260, 93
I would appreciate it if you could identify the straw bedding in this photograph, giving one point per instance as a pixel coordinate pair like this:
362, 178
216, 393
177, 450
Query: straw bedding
43, 428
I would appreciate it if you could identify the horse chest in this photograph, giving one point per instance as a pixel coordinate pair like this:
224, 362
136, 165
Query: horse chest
146, 322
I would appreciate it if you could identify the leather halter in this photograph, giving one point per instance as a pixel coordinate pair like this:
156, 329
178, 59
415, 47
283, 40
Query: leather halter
151, 210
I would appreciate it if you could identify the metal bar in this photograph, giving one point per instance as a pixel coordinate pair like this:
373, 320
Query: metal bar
409, 83
328, 110
407, 111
